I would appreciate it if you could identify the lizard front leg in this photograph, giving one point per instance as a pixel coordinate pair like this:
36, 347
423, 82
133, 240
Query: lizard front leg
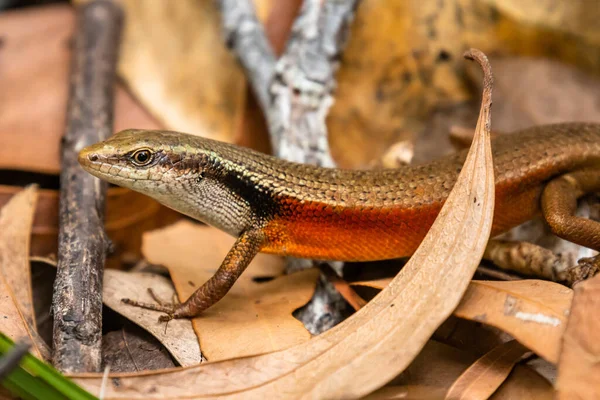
243, 251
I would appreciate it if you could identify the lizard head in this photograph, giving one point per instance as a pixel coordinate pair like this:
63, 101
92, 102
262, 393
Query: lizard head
184, 172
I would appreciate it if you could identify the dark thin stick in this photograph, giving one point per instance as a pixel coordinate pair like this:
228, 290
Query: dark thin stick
83, 245
11, 360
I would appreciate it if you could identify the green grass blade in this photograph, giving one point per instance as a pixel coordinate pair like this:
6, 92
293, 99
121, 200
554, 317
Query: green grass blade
34, 379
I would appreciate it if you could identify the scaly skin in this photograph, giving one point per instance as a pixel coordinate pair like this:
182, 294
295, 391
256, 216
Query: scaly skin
330, 214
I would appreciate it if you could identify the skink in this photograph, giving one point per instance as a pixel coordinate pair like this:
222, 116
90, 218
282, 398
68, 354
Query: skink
285, 208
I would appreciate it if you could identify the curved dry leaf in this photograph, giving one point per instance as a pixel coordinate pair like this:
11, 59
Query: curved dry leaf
388, 332
13, 322
179, 337
16, 219
488, 373
578, 368
16, 301
255, 317
534, 312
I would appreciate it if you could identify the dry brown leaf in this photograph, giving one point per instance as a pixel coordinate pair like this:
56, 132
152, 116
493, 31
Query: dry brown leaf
16, 218
435, 369
174, 59
13, 322
534, 312
179, 337
471, 336
254, 317
524, 384
16, 302
488, 373
579, 369
438, 365
388, 332
34, 86
375, 283
132, 349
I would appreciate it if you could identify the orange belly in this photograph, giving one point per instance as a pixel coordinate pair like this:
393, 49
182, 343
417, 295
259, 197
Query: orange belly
324, 232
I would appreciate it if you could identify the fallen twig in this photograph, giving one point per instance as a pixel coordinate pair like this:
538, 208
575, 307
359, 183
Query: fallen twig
83, 245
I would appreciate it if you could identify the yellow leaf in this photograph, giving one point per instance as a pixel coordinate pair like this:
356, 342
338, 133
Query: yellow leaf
174, 59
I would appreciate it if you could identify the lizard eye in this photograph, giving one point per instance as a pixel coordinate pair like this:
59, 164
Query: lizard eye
142, 157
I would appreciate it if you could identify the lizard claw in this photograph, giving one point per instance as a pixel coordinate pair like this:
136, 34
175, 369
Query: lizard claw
166, 318
159, 305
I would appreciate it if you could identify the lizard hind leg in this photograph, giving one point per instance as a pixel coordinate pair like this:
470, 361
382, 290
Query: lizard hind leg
559, 203
236, 261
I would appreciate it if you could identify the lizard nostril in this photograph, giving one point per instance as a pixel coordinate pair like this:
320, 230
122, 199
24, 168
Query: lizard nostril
93, 157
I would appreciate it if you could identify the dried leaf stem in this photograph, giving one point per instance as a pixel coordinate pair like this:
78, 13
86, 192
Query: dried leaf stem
83, 245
